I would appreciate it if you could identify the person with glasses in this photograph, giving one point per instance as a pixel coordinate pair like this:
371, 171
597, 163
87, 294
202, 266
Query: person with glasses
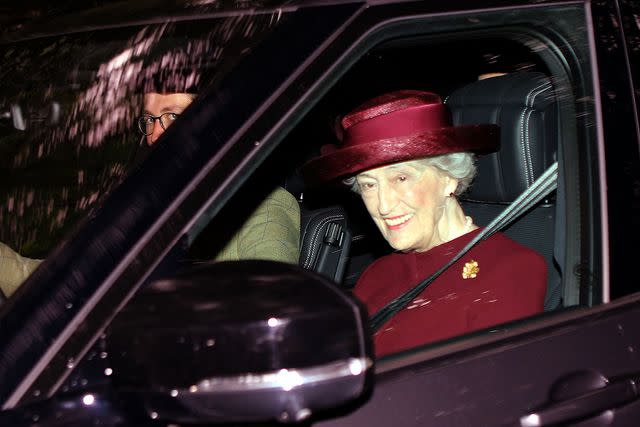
160, 111
271, 231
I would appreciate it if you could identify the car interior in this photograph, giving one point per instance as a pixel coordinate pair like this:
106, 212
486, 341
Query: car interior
338, 239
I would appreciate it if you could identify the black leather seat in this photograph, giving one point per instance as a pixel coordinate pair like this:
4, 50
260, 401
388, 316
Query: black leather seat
525, 108
325, 240
325, 234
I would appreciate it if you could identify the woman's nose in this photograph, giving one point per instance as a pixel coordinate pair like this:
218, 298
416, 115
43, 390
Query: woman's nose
387, 200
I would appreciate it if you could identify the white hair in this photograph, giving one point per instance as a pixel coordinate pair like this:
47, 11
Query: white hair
460, 166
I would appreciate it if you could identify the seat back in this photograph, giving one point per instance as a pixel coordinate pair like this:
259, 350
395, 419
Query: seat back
325, 240
525, 108
325, 235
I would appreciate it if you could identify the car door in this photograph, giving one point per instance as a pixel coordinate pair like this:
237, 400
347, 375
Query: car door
579, 371
571, 365
38, 321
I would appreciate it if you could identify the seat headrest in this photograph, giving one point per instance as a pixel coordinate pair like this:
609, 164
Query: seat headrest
524, 106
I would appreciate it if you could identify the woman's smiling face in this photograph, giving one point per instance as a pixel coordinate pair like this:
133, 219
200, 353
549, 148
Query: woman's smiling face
406, 202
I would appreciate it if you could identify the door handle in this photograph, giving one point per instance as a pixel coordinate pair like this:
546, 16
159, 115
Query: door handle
592, 402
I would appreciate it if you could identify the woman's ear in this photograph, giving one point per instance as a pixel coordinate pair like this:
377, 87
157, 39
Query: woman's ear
450, 185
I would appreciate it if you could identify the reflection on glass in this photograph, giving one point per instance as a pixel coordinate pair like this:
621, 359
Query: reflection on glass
69, 107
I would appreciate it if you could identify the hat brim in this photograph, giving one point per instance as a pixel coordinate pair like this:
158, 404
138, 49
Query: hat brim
349, 161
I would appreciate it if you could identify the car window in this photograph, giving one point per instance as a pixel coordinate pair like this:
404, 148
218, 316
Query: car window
508, 70
514, 79
69, 119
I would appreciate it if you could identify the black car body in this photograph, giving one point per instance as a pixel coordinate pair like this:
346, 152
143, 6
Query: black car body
287, 65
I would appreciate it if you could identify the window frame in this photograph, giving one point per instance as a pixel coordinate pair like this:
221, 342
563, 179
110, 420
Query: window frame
581, 179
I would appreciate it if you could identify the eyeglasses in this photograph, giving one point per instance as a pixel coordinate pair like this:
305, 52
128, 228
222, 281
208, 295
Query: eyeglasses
147, 122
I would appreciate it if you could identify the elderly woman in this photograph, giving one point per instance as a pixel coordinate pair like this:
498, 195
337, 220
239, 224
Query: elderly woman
401, 153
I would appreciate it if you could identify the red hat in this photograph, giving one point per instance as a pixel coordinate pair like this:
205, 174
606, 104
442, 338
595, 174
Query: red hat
396, 127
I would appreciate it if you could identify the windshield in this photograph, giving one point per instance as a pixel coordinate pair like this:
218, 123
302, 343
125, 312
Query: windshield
70, 111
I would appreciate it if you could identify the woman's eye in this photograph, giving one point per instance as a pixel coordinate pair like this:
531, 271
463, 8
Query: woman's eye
367, 186
402, 178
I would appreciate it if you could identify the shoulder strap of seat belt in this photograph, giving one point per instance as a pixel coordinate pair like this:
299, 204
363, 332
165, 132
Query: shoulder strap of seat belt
539, 190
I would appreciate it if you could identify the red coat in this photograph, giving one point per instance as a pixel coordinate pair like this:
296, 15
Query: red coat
510, 283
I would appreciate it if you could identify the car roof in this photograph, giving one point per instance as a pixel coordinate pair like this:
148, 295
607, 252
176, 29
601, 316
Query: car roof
36, 18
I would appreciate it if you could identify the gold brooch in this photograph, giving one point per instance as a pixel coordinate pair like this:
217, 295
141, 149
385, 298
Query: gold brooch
470, 270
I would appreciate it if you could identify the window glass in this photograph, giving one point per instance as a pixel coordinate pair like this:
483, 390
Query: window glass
70, 128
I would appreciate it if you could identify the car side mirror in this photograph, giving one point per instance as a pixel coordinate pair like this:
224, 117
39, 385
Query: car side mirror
241, 341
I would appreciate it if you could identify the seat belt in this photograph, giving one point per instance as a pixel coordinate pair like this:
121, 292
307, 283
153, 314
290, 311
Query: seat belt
539, 190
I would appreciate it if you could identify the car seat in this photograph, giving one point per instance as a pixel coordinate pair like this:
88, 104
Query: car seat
325, 239
325, 235
524, 106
